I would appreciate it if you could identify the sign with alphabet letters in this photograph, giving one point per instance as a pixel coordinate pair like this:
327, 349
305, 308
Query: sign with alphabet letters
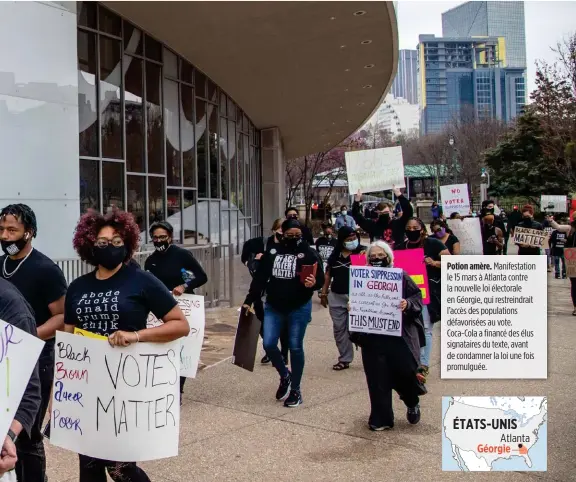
116, 403
190, 347
374, 170
469, 233
19, 352
535, 238
570, 262
375, 296
455, 199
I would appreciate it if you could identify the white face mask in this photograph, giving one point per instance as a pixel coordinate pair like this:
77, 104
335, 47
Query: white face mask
344, 213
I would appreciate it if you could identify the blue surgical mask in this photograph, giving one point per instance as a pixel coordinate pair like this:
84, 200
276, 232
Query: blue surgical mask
351, 245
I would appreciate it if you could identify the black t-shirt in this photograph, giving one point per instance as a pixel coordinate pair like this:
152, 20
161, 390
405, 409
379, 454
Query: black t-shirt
450, 242
41, 282
432, 248
168, 265
339, 269
325, 247
121, 302
557, 242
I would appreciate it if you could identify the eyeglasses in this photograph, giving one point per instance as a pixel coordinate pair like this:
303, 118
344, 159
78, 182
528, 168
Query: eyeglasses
160, 238
104, 242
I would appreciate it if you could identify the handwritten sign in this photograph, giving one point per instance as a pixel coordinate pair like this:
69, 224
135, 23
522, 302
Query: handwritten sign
469, 234
535, 238
190, 347
412, 261
455, 199
375, 169
570, 260
120, 404
19, 352
553, 204
375, 296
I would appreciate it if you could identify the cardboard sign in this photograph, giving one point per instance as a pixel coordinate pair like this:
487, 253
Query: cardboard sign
19, 352
246, 341
553, 204
535, 238
375, 296
469, 234
375, 169
191, 346
570, 260
113, 403
455, 199
412, 261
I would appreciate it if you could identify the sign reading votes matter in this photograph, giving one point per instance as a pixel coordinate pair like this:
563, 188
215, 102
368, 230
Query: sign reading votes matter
113, 403
534, 238
375, 296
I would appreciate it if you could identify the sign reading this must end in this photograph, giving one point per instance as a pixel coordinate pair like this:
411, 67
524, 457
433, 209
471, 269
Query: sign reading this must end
375, 169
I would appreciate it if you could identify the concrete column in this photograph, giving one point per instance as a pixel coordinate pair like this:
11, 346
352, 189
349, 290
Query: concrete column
273, 177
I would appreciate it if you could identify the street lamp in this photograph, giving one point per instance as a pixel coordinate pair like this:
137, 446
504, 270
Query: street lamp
451, 143
484, 185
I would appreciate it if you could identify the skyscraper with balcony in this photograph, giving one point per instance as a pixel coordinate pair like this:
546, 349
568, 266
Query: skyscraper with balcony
490, 19
406, 81
464, 77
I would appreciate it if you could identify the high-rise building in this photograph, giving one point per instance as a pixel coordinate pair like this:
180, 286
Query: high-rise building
490, 19
459, 77
406, 81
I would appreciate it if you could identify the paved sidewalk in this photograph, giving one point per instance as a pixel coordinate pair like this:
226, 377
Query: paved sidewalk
233, 430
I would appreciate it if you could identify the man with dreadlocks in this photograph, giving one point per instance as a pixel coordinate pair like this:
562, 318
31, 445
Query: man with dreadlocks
42, 284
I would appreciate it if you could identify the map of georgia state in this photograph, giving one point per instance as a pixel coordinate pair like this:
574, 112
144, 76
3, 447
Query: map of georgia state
482, 430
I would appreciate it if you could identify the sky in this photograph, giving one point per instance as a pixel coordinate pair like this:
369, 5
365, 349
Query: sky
547, 22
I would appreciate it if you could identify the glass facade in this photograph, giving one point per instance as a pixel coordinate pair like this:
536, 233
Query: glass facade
158, 138
406, 80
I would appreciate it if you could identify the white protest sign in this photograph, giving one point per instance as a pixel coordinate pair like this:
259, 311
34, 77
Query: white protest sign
534, 238
113, 403
19, 352
455, 199
375, 296
468, 232
190, 347
375, 169
553, 204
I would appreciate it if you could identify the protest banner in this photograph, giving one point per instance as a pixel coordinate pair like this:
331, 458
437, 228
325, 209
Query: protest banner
570, 260
455, 199
468, 232
553, 204
358, 259
375, 169
19, 352
116, 403
412, 261
535, 238
375, 296
191, 346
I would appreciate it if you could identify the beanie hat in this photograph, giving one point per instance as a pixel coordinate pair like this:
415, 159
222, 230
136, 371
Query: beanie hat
529, 208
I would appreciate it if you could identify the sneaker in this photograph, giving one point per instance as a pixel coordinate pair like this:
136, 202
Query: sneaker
265, 360
284, 387
413, 415
294, 399
379, 429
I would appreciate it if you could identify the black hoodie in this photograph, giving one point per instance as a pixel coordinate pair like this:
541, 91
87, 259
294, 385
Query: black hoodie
391, 230
278, 274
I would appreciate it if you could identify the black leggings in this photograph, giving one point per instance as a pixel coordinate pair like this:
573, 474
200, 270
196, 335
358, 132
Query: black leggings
573, 291
94, 470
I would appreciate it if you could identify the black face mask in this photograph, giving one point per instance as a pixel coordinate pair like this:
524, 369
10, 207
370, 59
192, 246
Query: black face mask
384, 218
161, 246
413, 236
379, 263
526, 218
12, 248
110, 256
278, 236
291, 243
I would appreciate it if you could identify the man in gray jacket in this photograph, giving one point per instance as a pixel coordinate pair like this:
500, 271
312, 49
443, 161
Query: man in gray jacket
14, 309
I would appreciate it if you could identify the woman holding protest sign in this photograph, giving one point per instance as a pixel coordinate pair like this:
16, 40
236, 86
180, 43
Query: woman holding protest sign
289, 274
107, 242
336, 289
391, 362
417, 237
570, 230
174, 266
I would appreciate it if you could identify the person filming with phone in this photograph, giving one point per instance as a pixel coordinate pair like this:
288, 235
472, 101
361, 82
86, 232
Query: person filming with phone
290, 273
492, 236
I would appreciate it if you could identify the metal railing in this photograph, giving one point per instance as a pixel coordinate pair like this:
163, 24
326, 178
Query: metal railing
216, 260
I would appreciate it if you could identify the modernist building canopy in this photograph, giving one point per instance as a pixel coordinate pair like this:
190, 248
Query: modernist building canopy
315, 70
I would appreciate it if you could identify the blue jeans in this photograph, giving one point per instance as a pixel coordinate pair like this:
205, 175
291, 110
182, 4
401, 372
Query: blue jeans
557, 260
297, 321
426, 350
